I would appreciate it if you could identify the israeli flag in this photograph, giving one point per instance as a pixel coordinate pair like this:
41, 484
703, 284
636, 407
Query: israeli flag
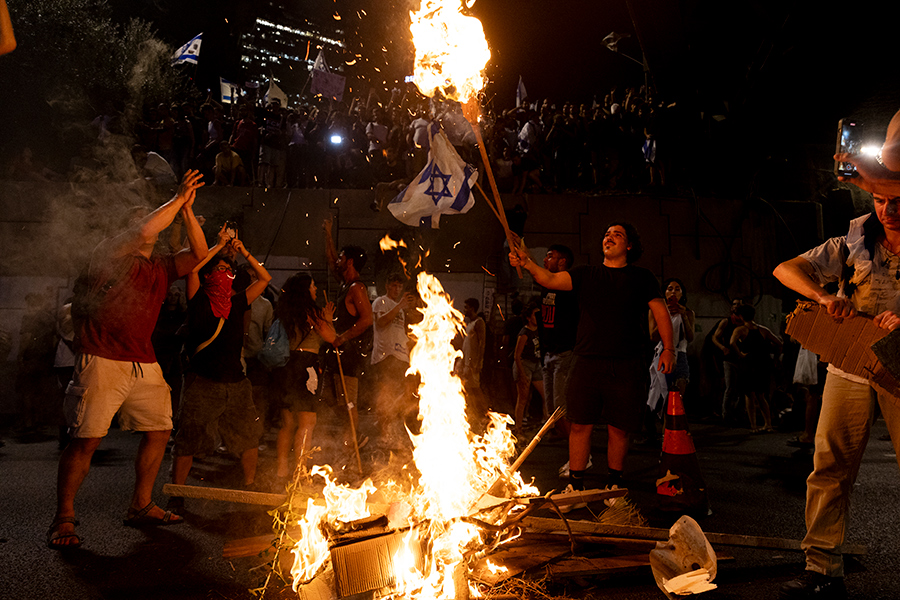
444, 187
189, 52
228, 90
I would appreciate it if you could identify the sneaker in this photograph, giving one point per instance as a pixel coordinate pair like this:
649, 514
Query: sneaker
570, 507
564, 470
812, 585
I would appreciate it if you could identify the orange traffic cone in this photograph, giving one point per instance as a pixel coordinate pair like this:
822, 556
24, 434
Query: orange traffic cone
680, 486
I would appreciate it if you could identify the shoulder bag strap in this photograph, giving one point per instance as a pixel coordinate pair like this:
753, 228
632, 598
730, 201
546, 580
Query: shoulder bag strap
210, 340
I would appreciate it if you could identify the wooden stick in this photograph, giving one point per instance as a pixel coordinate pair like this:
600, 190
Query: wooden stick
486, 199
349, 411
557, 414
652, 533
470, 111
224, 494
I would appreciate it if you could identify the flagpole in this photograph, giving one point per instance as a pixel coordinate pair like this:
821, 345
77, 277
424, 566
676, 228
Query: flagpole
471, 112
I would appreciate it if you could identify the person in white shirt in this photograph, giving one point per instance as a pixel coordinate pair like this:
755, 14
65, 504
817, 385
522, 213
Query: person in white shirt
390, 357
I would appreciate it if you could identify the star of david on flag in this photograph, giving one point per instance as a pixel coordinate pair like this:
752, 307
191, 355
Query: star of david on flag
444, 187
189, 52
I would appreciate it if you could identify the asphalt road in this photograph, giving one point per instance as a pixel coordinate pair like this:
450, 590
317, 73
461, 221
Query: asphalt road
755, 485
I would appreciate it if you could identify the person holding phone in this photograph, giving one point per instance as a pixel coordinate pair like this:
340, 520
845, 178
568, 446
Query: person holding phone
682, 319
881, 174
865, 263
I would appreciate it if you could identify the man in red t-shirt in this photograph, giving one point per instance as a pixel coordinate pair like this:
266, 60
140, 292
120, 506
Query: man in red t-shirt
115, 368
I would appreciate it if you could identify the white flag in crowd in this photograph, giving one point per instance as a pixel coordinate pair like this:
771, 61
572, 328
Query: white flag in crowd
444, 187
611, 41
274, 93
189, 52
324, 81
521, 94
229, 91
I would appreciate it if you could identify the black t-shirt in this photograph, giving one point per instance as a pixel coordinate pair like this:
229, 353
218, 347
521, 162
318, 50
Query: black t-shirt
221, 360
532, 349
613, 308
559, 321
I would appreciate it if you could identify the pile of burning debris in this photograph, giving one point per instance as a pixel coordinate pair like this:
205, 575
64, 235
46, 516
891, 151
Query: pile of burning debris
457, 522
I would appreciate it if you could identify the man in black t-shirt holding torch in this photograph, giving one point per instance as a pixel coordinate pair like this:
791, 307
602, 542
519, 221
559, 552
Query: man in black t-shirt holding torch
608, 380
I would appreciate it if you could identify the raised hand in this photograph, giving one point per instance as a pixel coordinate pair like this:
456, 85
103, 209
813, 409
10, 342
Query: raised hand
187, 190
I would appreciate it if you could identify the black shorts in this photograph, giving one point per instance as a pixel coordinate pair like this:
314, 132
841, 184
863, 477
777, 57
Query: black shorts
291, 382
610, 390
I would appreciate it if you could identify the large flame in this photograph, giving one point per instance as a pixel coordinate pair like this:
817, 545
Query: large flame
456, 468
451, 51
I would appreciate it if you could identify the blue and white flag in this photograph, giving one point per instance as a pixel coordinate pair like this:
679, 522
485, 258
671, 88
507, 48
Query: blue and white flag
189, 52
229, 91
521, 94
444, 187
275, 93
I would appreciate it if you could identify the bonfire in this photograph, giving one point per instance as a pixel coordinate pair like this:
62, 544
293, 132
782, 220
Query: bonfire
442, 518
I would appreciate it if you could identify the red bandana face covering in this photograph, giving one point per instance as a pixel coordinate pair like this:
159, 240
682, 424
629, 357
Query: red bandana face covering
218, 289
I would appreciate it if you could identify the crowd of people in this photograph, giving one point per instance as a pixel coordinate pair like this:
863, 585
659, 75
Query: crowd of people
585, 343
613, 144
241, 362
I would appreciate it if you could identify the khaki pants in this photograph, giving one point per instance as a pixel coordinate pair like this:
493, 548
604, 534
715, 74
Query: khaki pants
848, 409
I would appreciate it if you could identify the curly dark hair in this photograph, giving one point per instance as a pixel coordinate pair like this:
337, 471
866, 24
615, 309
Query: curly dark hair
634, 238
295, 307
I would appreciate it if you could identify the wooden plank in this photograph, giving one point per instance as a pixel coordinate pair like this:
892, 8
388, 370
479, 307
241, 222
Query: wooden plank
516, 560
652, 533
251, 546
579, 566
228, 495
574, 497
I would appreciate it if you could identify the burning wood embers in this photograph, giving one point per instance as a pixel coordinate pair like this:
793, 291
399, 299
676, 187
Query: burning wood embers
367, 556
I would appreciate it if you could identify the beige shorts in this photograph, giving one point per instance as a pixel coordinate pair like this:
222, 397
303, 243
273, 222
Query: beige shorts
101, 387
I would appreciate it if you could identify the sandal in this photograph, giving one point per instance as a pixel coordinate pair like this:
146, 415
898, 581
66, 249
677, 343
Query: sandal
54, 536
140, 518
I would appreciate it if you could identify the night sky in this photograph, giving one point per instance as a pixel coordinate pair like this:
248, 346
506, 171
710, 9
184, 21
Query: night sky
770, 60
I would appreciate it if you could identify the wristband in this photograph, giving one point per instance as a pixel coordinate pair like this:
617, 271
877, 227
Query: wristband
670, 350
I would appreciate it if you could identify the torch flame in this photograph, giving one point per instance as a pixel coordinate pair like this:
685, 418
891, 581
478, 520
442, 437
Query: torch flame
451, 51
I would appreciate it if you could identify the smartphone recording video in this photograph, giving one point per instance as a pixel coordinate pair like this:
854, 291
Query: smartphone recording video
849, 140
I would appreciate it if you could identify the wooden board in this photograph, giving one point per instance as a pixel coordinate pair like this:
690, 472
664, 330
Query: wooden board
517, 559
228, 495
251, 546
579, 566
652, 533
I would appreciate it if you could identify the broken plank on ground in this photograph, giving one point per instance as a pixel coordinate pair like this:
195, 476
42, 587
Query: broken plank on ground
536, 524
579, 566
250, 546
517, 558
574, 497
224, 494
